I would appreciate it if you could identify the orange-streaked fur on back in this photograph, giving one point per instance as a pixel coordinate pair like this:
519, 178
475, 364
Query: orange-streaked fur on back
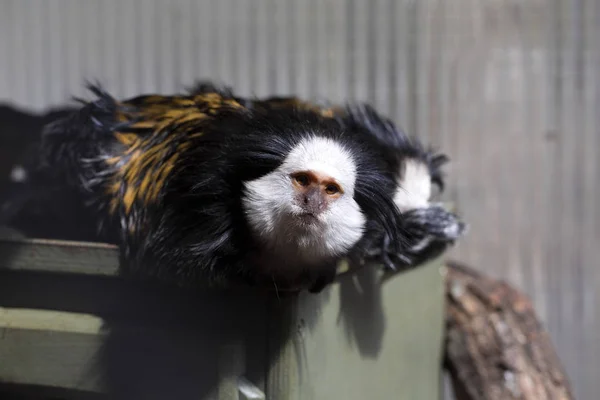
151, 152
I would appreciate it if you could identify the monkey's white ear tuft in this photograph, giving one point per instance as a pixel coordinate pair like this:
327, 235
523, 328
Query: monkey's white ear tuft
414, 186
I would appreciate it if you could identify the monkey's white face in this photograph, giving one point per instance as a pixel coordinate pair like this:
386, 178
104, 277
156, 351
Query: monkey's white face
305, 210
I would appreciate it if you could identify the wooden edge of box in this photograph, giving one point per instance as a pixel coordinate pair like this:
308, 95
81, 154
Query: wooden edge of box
58, 256
54, 349
54, 331
49, 320
59, 350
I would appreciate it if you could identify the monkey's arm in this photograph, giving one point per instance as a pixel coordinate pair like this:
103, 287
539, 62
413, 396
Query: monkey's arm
428, 232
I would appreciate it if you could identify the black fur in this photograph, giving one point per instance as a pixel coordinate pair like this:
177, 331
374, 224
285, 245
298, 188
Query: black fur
203, 87
242, 149
196, 231
397, 145
393, 147
36, 207
425, 232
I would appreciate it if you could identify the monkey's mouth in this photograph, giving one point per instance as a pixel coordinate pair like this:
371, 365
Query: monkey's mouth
307, 218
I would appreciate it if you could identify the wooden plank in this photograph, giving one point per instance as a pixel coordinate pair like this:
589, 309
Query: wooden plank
58, 256
49, 348
63, 345
46, 320
186, 355
65, 350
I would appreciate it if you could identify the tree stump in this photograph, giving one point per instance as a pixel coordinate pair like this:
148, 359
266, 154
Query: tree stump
495, 346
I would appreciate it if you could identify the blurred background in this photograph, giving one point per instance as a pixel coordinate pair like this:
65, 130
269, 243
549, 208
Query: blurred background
509, 89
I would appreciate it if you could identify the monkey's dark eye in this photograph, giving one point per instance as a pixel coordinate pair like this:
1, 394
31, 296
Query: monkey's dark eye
302, 179
332, 189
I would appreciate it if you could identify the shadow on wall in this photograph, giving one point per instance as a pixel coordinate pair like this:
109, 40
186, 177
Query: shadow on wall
361, 311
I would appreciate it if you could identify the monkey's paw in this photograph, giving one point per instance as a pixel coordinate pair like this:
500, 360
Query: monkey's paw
427, 233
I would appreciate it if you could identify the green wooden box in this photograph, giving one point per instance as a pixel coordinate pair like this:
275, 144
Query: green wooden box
70, 328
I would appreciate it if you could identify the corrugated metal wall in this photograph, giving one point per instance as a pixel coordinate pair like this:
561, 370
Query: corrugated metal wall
510, 89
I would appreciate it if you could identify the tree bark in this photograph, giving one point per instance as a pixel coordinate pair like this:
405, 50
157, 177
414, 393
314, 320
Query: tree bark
495, 346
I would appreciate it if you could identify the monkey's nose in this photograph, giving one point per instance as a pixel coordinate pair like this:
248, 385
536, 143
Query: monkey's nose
313, 203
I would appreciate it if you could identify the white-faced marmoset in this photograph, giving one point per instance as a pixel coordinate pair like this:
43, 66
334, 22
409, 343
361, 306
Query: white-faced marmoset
427, 229
209, 187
